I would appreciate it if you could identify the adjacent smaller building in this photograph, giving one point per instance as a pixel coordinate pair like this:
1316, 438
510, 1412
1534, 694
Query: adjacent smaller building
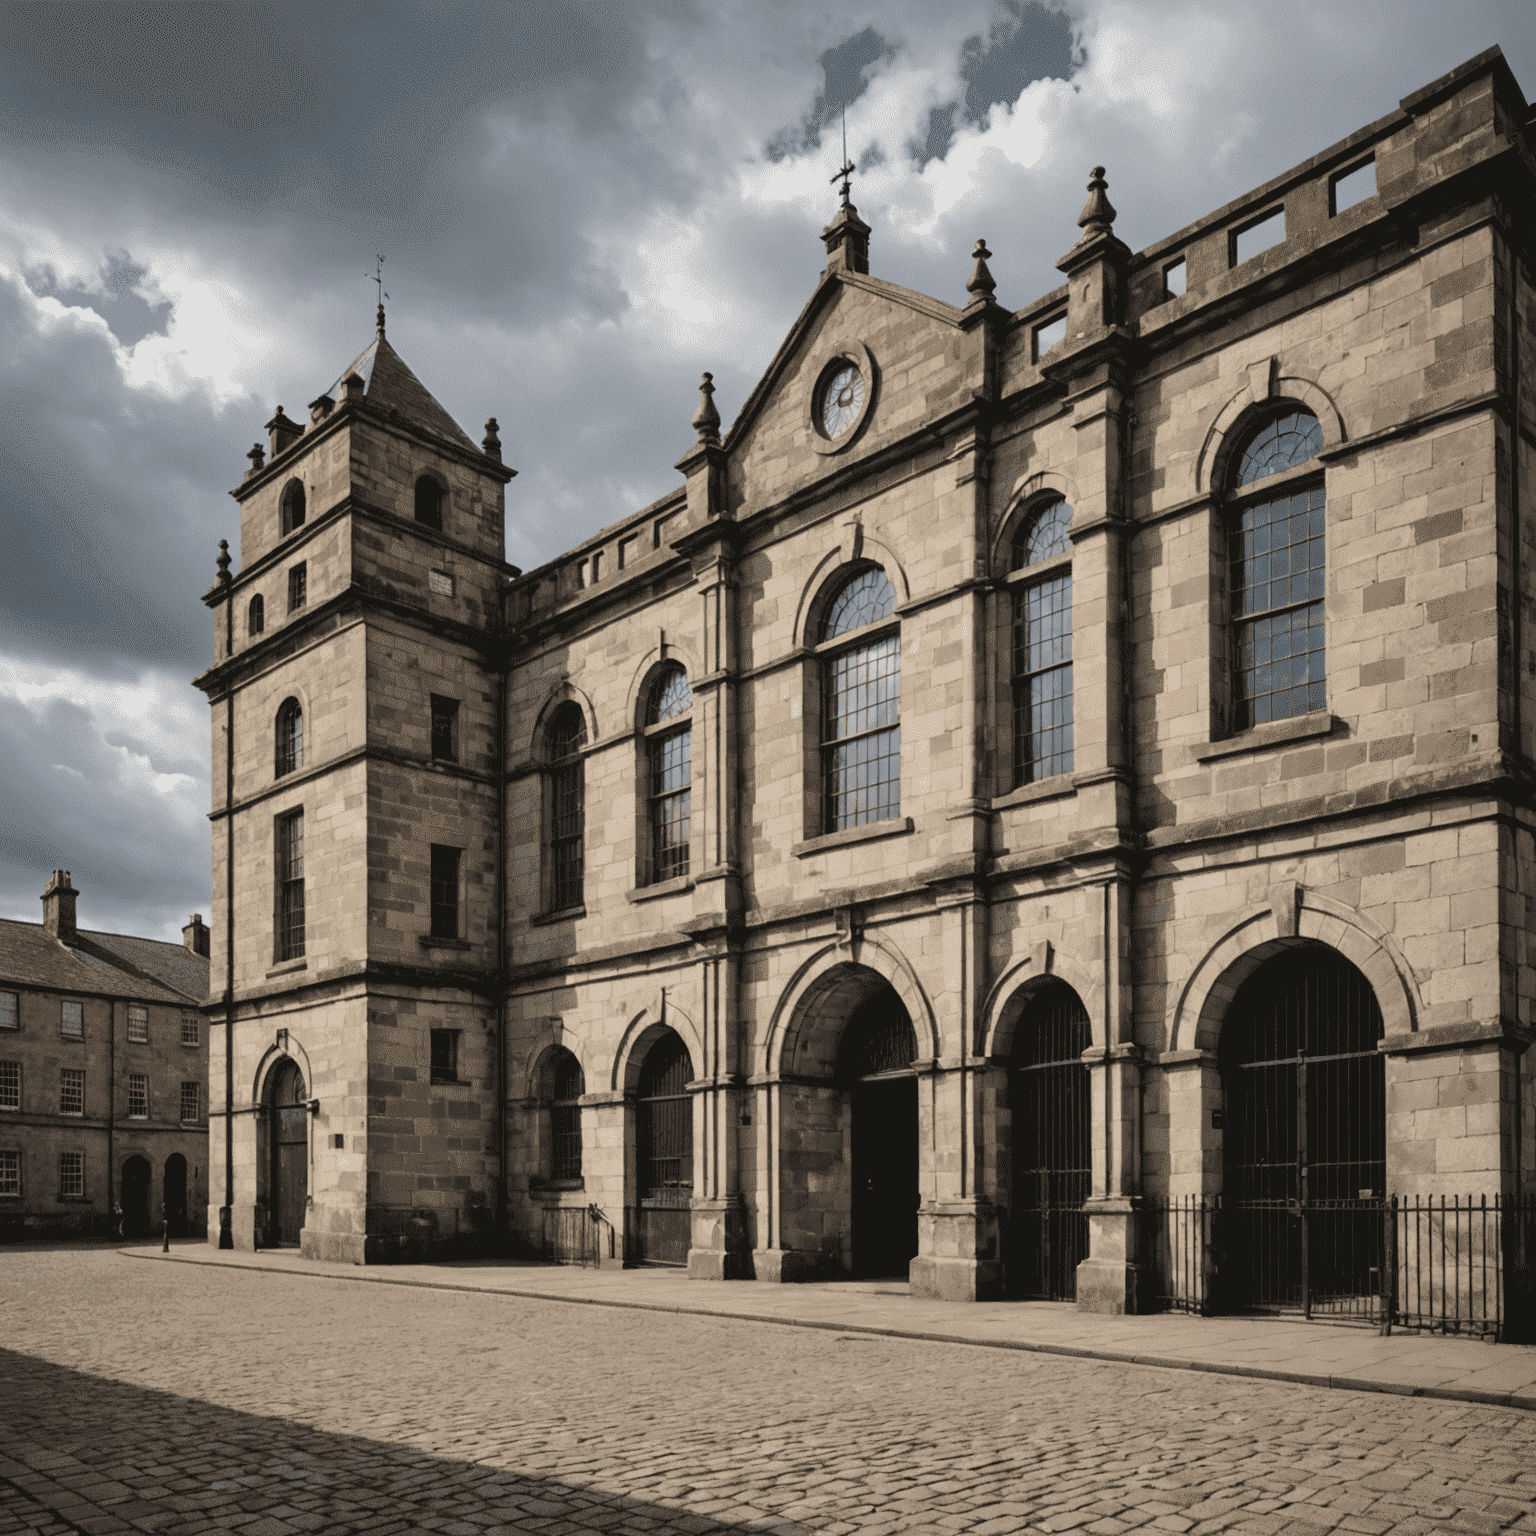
103, 1077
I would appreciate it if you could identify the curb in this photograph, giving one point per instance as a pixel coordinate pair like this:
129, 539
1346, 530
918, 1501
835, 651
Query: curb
1522, 1401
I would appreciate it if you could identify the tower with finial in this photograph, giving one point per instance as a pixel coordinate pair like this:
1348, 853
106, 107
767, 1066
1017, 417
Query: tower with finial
353, 696
847, 236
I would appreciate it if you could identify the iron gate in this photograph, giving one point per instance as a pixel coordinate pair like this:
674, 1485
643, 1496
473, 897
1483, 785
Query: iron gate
661, 1226
1052, 1159
1305, 1139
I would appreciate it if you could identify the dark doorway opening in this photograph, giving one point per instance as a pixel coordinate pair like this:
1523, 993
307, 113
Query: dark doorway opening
176, 1194
663, 1224
1305, 1143
1052, 1149
135, 1197
290, 1156
875, 1064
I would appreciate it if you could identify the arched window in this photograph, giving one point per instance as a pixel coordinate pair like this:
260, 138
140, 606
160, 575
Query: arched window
861, 707
429, 502
567, 806
669, 749
564, 1086
1042, 644
256, 616
290, 737
664, 1154
293, 506
1278, 574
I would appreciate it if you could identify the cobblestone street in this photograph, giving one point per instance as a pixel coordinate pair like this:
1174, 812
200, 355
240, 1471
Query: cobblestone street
176, 1398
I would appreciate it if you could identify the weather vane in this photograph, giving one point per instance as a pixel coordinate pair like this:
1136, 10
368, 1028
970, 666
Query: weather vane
377, 276
848, 167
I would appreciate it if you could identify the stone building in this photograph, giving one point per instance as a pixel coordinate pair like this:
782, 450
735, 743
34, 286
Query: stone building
103, 1077
1038, 765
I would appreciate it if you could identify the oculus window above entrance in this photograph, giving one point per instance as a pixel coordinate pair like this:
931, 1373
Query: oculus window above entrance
842, 396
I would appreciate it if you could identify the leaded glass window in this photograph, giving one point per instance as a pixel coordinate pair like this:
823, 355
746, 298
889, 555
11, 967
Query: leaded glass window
1042, 649
861, 716
1278, 581
567, 789
670, 765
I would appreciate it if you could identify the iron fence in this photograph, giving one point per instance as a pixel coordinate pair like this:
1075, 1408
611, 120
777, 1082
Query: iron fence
1459, 1265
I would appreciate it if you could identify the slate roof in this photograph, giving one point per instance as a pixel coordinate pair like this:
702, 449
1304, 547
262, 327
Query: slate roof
394, 389
105, 964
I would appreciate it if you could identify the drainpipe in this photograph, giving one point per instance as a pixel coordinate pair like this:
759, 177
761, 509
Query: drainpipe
1517, 622
227, 1219
111, 1109
502, 1214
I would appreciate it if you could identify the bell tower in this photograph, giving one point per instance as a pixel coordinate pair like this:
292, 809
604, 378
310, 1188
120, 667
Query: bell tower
356, 695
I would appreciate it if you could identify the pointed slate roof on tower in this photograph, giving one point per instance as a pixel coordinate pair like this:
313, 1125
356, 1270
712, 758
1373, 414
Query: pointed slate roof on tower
391, 387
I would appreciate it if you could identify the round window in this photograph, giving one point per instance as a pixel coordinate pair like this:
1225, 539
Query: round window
842, 398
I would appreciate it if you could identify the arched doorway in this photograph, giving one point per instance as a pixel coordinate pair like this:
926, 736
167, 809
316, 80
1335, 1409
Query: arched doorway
290, 1156
1052, 1163
663, 1226
1305, 1136
176, 1194
135, 1197
874, 1065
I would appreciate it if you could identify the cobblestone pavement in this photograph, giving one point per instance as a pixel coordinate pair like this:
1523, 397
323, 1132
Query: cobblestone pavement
176, 1398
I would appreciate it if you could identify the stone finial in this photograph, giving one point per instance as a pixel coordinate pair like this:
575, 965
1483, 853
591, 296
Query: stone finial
980, 285
223, 563
282, 433
378, 320
706, 420
258, 457
59, 906
1098, 212
319, 408
490, 444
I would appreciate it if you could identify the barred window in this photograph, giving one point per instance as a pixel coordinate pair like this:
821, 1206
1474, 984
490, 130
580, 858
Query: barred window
71, 1174
1278, 578
290, 737
290, 886
10, 1173
298, 586
10, 1085
566, 1087
72, 1020
138, 1096
10, 1010
567, 806
190, 1033
191, 1108
445, 891
669, 747
138, 1024
71, 1091
1042, 648
861, 709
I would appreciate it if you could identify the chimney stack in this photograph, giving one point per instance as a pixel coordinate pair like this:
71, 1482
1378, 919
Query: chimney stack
59, 907
195, 935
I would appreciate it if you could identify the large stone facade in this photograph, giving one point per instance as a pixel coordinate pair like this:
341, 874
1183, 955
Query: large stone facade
1178, 843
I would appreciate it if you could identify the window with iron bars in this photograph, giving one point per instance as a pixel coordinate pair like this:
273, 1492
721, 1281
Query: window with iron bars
861, 709
567, 806
670, 751
290, 886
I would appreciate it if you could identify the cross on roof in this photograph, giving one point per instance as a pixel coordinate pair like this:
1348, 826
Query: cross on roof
848, 167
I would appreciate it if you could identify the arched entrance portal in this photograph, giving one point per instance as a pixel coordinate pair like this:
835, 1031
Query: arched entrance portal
290, 1156
176, 1194
874, 1065
135, 1197
664, 1154
1305, 1141
1052, 1170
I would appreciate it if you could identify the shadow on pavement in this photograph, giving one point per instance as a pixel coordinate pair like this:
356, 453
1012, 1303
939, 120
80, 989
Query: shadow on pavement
104, 1456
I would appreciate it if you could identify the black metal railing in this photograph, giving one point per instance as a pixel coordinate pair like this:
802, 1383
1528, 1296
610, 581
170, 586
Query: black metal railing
1459, 1265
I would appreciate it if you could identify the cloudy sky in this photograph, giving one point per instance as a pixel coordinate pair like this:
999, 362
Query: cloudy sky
581, 206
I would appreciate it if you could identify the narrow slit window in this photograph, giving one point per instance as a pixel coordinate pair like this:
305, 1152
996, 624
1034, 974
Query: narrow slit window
445, 1056
445, 729
567, 808
290, 886
669, 748
445, 891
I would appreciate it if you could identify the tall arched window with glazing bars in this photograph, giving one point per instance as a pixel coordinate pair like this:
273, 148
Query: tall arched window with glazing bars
567, 806
290, 737
1041, 577
669, 762
1278, 572
861, 705
566, 1086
